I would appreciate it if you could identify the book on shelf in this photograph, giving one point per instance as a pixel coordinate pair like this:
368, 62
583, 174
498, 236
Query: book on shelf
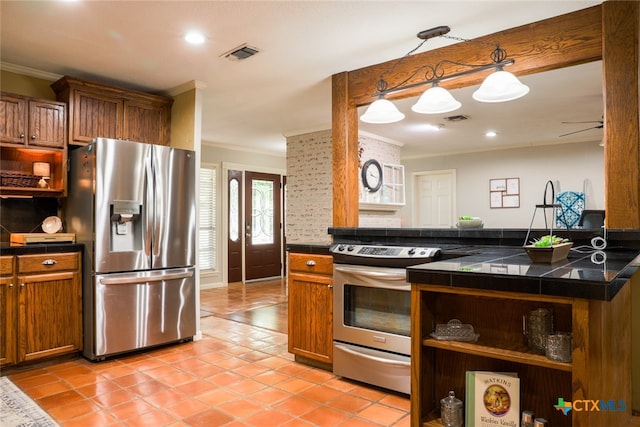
492, 399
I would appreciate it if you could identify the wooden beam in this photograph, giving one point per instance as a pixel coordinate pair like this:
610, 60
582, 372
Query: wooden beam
607, 32
558, 42
621, 117
345, 155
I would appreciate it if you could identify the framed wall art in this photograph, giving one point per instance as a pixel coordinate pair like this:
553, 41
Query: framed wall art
504, 193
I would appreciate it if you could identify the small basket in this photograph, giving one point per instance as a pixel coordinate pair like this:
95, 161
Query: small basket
16, 179
548, 254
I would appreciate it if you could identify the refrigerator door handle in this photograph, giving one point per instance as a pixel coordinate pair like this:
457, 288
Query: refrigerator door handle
134, 280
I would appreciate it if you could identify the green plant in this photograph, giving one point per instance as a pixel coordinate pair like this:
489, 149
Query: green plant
548, 240
466, 218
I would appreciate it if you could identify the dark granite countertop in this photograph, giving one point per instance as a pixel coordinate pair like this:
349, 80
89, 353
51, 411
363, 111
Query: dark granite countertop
308, 248
589, 275
45, 248
493, 259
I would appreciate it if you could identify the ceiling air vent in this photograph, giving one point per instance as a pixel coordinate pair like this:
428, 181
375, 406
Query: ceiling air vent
458, 118
241, 52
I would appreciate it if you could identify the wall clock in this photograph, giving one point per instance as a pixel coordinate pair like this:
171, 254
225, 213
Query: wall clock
372, 175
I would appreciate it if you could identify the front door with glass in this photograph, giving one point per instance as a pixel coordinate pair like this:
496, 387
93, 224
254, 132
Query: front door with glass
263, 255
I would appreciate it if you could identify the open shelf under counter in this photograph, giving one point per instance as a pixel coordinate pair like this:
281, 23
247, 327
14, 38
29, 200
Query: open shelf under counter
520, 355
497, 316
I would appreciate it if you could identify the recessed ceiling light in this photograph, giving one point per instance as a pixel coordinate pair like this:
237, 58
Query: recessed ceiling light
194, 37
490, 134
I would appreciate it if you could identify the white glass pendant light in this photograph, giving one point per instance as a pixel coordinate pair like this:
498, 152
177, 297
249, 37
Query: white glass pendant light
382, 111
436, 100
500, 86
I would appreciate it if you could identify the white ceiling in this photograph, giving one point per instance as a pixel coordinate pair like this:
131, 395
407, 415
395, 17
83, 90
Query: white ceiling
285, 89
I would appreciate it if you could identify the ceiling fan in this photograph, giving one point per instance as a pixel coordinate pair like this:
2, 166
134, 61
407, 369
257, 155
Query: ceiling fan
599, 126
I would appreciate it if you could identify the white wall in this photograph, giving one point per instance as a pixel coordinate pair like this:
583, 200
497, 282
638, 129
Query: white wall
569, 166
222, 157
212, 153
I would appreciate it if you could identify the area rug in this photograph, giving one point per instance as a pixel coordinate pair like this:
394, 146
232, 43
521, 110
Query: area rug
19, 410
272, 317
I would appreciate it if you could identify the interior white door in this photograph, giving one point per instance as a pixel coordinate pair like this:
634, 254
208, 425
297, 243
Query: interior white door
434, 199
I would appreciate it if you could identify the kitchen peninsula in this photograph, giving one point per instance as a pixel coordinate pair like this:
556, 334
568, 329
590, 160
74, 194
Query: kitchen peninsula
485, 279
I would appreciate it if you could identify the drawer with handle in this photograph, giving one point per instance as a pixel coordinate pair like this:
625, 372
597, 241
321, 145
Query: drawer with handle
307, 263
6, 265
45, 263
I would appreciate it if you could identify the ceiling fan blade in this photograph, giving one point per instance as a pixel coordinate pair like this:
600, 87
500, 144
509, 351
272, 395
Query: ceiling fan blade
581, 130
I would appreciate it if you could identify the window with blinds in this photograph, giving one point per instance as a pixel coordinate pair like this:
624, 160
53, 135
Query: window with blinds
207, 258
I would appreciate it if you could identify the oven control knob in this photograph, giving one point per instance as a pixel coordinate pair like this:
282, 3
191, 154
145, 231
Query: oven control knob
350, 248
412, 251
341, 248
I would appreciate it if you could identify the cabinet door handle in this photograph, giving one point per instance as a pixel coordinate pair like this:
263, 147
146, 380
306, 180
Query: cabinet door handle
22, 285
21, 135
33, 137
11, 285
330, 286
311, 263
49, 262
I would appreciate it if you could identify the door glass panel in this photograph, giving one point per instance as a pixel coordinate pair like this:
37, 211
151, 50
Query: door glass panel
262, 212
234, 198
378, 309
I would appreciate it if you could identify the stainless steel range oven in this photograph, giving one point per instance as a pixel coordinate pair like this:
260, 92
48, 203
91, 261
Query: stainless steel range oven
372, 313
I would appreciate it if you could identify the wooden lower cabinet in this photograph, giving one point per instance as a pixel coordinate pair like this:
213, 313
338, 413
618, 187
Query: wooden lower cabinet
8, 305
310, 281
44, 313
600, 368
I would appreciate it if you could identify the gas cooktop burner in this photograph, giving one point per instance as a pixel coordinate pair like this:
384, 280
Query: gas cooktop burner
386, 252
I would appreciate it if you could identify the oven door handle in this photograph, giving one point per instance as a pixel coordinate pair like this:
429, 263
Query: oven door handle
374, 358
390, 274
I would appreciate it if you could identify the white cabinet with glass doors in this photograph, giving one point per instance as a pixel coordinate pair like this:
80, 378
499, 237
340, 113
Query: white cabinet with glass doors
391, 195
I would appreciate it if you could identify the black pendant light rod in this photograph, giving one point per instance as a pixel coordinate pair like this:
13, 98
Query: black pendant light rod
435, 74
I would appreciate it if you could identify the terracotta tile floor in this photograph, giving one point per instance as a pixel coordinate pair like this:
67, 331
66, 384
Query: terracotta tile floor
237, 375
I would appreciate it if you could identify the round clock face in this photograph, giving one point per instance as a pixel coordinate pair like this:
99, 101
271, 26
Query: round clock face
372, 175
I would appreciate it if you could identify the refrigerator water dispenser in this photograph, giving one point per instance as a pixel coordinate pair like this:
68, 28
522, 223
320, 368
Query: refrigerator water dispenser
126, 230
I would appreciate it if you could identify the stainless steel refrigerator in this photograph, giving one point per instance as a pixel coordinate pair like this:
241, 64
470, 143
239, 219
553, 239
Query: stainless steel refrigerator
133, 207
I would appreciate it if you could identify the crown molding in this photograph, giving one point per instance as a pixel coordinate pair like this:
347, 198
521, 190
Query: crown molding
193, 84
31, 72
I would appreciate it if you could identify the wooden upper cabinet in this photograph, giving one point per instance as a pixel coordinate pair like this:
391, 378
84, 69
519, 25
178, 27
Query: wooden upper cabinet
13, 111
47, 124
92, 115
32, 130
97, 110
32, 122
145, 121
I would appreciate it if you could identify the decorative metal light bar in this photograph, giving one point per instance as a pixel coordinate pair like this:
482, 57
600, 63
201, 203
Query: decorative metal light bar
499, 86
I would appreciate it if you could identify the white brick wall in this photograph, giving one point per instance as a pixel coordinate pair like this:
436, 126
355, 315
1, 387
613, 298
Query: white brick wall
309, 206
